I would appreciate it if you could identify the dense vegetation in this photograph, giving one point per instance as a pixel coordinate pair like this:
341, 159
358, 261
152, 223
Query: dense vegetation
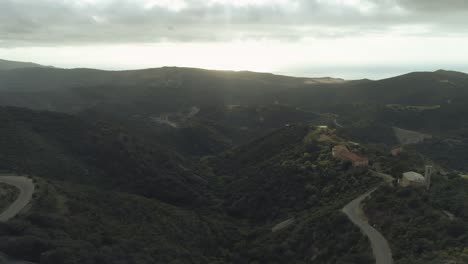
82, 224
79, 224
287, 171
275, 180
421, 226
446, 152
67, 148
133, 174
8, 194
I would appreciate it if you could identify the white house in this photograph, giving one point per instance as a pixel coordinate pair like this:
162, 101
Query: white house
412, 178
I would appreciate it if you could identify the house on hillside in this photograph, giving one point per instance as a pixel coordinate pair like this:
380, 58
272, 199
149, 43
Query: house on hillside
339, 149
396, 151
412, 178
342, 153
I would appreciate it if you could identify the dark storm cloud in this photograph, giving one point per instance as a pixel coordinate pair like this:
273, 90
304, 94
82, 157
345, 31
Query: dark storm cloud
70, 22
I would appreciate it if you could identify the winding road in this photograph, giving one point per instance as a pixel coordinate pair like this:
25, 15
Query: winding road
26, 187
379, 244
353, 210
337, 124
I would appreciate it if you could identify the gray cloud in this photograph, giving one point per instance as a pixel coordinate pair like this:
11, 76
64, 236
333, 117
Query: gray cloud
435, 6
70, 22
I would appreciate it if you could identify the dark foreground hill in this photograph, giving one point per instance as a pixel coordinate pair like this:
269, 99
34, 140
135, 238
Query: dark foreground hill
104, 197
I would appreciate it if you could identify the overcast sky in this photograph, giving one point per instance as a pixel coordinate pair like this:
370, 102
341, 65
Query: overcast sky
343, 38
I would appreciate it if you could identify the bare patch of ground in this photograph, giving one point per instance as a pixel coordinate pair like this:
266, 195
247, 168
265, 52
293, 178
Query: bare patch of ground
283, 225
406, 137
176, 119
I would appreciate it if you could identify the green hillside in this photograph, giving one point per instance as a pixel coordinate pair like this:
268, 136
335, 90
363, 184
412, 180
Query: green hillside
63, 147
102, 196
424, 226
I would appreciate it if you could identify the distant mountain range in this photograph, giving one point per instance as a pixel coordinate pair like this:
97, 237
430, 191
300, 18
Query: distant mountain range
176, 107
248, 101
11, 65
71, 90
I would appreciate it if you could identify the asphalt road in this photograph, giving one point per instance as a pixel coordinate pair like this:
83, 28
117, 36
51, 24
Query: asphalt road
353, 210
380, 247
26, 187
336, 123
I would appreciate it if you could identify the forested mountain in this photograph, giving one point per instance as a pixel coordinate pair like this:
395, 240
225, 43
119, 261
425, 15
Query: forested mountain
415, 89
170, 89
235, 107
62, 147
105, 195
159, 89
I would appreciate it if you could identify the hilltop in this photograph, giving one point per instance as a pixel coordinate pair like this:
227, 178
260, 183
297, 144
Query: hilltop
11, 65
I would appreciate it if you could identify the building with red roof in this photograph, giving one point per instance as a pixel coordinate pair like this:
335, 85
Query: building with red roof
342, 152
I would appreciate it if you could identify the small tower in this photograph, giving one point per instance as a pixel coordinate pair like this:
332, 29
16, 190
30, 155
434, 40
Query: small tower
427, 176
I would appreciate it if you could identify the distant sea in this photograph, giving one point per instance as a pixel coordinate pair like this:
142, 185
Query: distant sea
375, 72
